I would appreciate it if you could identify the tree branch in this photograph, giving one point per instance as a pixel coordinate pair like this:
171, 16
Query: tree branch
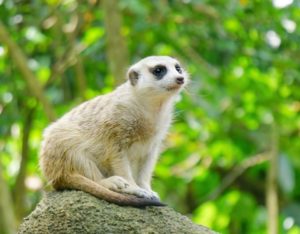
79, 68
236, 172
70, 56
21, 62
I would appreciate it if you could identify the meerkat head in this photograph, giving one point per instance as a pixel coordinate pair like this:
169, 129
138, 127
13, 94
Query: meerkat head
161, 75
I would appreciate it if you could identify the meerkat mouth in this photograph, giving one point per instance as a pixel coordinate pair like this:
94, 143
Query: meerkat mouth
173, 88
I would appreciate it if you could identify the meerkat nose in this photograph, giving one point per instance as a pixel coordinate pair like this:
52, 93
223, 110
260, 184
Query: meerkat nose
180, 80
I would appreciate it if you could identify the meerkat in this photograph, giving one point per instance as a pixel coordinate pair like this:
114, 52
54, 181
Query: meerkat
108, 146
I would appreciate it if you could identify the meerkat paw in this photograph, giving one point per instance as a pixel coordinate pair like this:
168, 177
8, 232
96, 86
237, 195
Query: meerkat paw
154, 195
120, 185
136, 191
115, 183
139, 192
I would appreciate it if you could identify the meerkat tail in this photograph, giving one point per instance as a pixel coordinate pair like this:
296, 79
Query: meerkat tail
79, 182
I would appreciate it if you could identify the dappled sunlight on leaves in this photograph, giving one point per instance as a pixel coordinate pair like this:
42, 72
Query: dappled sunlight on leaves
243, 60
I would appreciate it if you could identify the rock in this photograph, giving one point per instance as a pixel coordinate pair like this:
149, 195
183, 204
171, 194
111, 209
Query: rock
71, 212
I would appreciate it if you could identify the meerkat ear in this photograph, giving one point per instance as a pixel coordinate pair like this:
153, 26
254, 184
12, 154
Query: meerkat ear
133, 77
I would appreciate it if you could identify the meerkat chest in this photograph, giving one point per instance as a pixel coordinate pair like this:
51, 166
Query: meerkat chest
153, 131
140, 150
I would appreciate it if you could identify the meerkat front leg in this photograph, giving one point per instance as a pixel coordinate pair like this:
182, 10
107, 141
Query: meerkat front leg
123, 174
146, 170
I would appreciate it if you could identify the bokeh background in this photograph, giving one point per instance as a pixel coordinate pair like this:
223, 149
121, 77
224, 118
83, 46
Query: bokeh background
232, 158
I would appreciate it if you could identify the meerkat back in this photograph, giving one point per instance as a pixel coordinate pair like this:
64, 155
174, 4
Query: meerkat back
108, 146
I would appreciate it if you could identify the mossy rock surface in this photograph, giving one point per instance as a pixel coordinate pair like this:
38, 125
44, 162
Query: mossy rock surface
72, 212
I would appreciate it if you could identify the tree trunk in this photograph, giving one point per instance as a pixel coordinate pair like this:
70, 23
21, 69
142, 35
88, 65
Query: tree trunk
78, 212
271, 186
20, 189
7, 218
116, 48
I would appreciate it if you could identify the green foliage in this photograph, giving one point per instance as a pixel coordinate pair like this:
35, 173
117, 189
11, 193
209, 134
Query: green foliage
243, 57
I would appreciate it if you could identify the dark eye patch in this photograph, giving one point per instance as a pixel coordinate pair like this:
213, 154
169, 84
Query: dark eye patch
178, 68
159, 71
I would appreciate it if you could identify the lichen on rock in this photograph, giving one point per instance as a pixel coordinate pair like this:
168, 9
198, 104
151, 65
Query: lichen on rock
71, 212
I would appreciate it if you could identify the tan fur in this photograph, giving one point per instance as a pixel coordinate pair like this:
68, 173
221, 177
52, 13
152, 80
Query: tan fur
108, 146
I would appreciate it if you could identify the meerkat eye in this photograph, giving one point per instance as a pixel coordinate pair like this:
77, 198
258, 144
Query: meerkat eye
178, 68
159, 71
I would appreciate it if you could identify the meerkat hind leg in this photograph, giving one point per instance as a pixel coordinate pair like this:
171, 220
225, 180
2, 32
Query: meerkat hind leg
114, 183
79, 182
89, 169
83, 174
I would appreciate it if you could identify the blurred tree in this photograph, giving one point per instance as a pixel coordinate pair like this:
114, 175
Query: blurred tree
21, 61
7, 218
115, 44
19, 193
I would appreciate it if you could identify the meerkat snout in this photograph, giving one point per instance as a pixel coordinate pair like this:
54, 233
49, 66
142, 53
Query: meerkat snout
180, 80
